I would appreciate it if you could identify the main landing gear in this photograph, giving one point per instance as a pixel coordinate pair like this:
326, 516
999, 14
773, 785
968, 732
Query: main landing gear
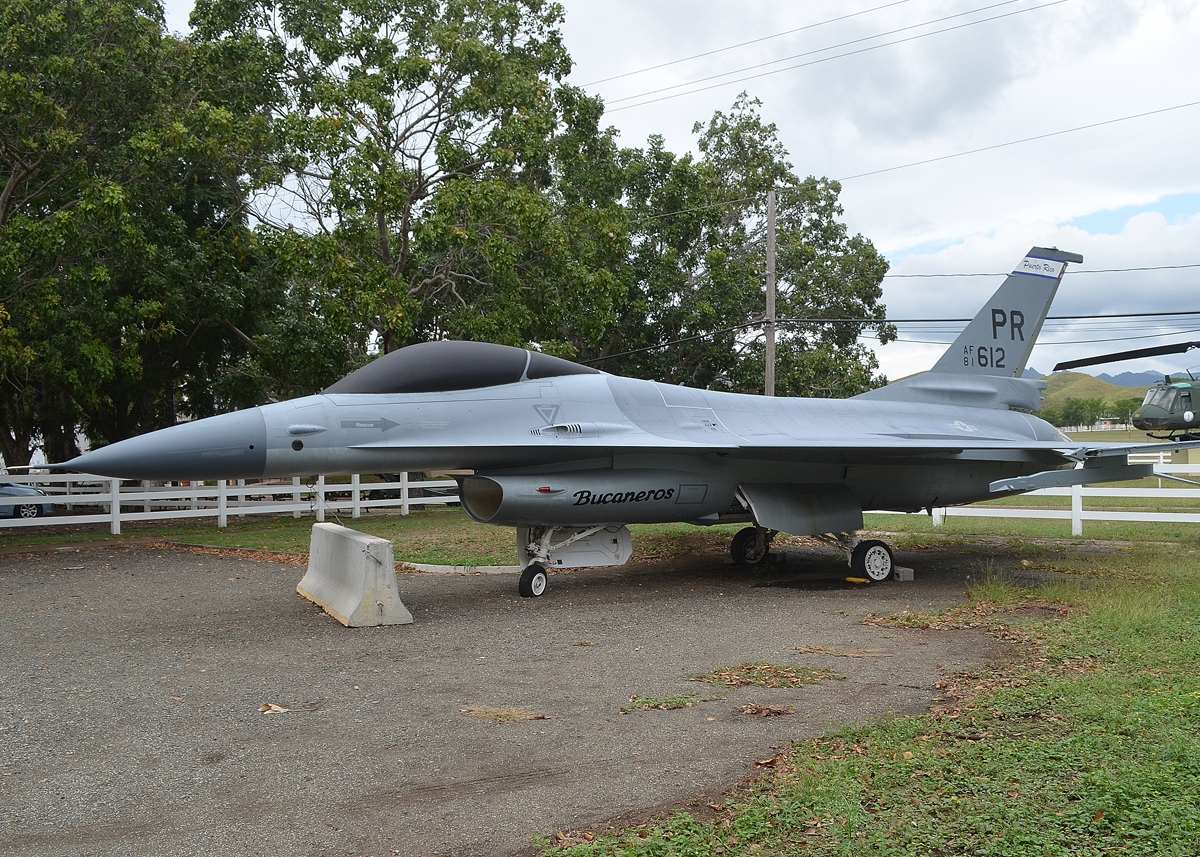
752, 546
872, 560
869, 560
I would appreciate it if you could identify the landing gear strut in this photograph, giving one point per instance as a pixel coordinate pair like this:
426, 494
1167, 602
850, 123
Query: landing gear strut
539, 547
751, 546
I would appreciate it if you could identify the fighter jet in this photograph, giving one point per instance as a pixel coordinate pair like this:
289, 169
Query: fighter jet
570, 455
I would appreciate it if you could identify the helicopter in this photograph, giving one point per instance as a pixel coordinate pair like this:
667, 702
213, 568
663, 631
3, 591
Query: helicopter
1169, 405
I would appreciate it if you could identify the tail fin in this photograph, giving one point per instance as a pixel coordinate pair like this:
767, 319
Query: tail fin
999, 339
983, 368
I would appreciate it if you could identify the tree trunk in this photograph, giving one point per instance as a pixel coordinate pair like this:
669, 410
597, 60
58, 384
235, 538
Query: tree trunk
15, 447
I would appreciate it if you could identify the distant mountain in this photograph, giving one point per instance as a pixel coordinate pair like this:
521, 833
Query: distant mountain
1125, 379
1133, 379
1078, 385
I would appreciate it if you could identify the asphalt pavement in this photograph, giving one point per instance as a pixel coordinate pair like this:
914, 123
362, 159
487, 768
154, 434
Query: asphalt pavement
131, 682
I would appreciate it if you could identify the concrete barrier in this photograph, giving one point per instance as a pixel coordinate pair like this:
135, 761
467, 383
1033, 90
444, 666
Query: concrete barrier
353, 577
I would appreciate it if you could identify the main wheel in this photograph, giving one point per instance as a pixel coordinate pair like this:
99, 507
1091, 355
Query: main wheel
746, 548
29, 510
873, 560
533, 581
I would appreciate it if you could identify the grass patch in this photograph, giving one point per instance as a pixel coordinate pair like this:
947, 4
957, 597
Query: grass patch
436, 535
665, 703
1088, 745
502, 715
763, 674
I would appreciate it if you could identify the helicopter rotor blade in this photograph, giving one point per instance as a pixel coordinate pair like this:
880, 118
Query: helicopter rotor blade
1177, 348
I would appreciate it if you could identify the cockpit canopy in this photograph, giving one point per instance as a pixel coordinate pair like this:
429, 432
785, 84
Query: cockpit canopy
437, 367
1169, 399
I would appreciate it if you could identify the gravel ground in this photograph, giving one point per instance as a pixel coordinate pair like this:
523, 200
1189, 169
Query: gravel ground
131, 682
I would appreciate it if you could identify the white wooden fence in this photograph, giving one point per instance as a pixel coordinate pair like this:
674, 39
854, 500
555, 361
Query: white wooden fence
219, 499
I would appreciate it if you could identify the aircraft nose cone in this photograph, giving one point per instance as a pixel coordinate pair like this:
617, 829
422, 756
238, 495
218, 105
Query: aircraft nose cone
229, 446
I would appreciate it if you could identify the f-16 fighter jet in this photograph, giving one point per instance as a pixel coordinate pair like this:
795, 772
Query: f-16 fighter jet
569, 455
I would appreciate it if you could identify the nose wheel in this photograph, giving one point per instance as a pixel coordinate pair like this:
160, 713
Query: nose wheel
533, 581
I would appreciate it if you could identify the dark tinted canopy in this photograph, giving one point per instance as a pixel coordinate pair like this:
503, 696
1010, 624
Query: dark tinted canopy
435, 367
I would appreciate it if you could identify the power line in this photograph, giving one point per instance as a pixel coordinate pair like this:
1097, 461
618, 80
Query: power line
837, 56
1060, 342
1024, 140
875, 322
1073, 273
744, 44
816, 51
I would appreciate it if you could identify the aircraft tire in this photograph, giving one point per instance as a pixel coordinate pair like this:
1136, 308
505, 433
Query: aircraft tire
873, 561
533, 581
744, 548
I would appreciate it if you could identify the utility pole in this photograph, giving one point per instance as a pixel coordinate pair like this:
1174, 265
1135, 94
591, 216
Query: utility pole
769, 386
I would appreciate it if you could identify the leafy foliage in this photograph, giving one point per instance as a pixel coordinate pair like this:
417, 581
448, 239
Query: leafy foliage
193, 225
121, 235
421, 146
698, 262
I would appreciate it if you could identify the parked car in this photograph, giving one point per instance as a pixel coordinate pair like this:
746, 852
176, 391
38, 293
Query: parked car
16, 501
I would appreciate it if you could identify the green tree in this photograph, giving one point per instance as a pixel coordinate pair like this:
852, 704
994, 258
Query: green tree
1124, 409
698, 261
1082, 412
423, 142
123, 155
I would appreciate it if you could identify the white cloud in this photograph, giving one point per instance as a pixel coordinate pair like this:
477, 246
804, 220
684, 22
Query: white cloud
1148, 240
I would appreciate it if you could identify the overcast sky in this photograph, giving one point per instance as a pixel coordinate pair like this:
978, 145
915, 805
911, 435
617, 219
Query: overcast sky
1124, 195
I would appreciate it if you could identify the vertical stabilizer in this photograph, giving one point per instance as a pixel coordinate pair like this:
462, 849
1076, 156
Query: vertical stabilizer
999, 339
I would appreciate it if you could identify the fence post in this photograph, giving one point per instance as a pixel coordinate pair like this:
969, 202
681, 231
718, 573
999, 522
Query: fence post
404, 493
1077, 510
296, 496
222, 503
114, 490
938, 515
195, 504
321, 498
355, 496
145, 497
241, 494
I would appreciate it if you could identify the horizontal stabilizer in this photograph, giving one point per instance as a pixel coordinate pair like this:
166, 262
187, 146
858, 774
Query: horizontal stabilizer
1081, 476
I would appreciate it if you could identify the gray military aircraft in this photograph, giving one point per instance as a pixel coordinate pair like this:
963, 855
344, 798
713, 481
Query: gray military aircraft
570, 455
